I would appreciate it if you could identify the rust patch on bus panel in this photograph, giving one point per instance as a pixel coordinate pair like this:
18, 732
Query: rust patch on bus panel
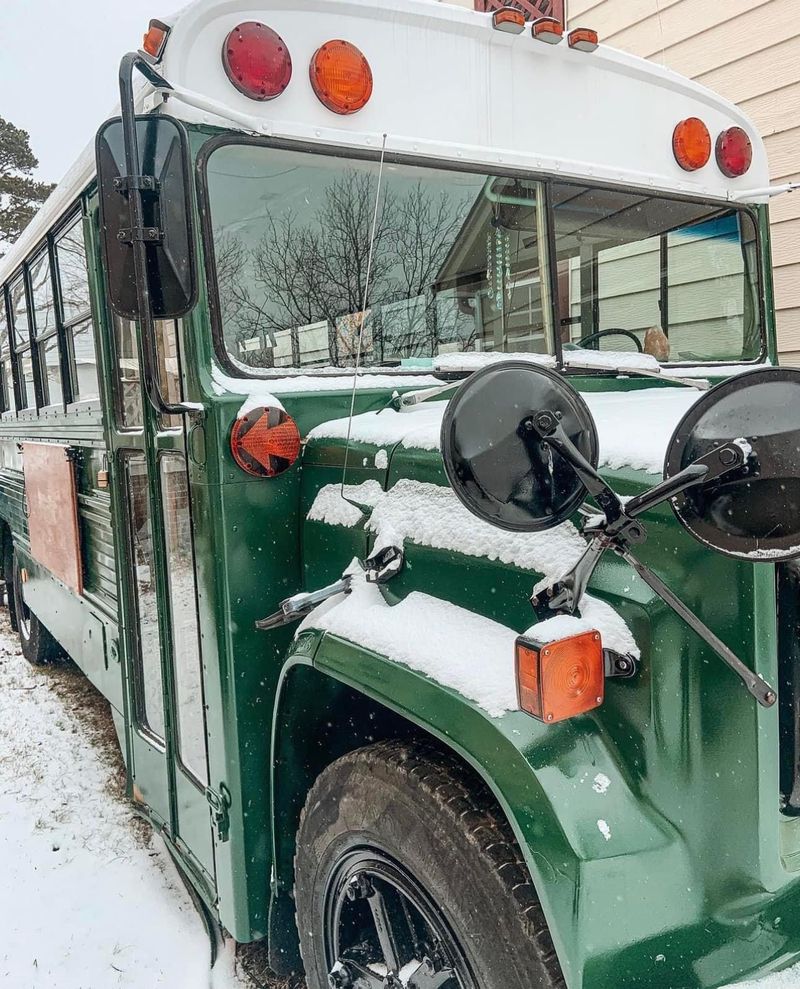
52, 500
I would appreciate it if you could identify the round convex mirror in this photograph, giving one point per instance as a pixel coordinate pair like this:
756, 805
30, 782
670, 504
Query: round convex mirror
502, 471
752, 512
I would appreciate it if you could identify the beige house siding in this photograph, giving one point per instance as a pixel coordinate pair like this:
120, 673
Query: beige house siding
749, 52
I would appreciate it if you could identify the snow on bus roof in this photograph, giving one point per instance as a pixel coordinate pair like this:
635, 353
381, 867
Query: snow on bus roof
634, 427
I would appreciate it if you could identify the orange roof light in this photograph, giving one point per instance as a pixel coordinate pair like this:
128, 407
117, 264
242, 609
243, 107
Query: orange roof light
559, 680
691, 143
508, 19
548, 29
341, 77
155, 40
265, 442
583, 39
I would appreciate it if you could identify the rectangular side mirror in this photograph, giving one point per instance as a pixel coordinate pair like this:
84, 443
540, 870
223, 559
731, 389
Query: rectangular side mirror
167, 230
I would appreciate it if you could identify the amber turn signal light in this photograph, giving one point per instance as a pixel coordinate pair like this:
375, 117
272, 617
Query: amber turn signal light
559, 680
508, 19
548, 29
341, 77
265, 442
583, 39
155, 39
691, 144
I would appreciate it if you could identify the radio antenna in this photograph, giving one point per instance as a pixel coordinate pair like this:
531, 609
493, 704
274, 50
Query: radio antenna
364, 303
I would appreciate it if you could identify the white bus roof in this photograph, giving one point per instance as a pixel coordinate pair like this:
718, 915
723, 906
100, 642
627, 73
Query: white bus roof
446, 86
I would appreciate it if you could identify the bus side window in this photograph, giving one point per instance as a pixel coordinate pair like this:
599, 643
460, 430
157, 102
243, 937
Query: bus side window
148, 680
76, 315
45, 330
21, 336
128, 390
189, 703
6, 377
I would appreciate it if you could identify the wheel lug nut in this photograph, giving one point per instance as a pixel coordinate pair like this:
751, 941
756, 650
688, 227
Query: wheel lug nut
359, 887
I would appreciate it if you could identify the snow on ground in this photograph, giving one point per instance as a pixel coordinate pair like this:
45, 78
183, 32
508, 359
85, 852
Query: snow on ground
90, 900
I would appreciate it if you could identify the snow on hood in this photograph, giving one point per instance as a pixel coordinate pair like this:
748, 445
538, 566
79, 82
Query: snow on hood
460, 649
634, 427
471, 361
431, 515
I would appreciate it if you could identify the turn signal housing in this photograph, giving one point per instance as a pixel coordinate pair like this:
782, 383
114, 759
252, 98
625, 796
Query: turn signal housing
508, 19
155, 39
265, 442
559, 680
691, 144
341, 77
548, 29
734, 152
257, 61
583, 39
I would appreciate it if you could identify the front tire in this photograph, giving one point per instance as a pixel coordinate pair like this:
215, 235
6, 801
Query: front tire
403, 867
38, 645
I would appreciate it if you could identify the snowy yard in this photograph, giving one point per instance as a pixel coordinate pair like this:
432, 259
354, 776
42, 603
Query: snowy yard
90, 900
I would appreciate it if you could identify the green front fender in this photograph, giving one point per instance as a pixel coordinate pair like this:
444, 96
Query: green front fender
587, 837
625, 898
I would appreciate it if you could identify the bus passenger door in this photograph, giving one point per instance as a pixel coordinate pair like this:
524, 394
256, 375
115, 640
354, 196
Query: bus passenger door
166, 720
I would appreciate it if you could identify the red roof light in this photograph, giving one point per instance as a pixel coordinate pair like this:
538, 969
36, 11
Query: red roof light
734, 152
583, 39
508, 19
548, 29
257, 61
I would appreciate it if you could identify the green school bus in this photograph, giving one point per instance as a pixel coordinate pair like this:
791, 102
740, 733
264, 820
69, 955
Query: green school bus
391, 432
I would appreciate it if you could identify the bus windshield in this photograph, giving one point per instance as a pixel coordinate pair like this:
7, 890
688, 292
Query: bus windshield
461, 264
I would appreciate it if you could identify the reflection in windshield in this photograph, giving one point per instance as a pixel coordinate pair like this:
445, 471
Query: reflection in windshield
456, 260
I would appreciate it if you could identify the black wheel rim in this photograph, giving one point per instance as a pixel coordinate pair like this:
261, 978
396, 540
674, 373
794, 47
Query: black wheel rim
383, 930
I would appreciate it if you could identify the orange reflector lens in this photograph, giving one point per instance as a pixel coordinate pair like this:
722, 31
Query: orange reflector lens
548, 29
509, 19
559, 680
691, 143
341, 77
583, 39
734, 152
155, 40
265, 442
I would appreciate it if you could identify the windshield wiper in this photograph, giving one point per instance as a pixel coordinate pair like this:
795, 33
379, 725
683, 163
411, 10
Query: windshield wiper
701, 384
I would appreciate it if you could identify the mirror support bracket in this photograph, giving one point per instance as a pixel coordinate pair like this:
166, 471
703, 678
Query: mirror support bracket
620, 530
133, 185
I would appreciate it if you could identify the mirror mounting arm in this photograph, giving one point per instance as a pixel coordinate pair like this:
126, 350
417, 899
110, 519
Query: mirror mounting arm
133, 185
758, 688
721, 461
547, 427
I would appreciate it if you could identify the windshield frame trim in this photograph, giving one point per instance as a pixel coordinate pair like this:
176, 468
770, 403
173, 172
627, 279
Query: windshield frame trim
547, 180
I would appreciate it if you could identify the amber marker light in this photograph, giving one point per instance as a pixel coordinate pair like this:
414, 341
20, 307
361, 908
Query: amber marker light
583, 39
508, 19
734, 152
691, 144
559, 680
265, 442
548, 29
155, 39
341, 77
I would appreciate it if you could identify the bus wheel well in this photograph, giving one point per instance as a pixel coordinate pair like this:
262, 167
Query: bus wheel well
318, 721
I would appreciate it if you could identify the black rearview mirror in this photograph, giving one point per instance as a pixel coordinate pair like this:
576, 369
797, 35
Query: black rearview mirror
752, 512
167, 227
